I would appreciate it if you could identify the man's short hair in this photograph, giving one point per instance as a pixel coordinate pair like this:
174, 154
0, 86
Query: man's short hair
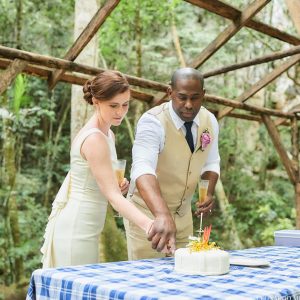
186, 73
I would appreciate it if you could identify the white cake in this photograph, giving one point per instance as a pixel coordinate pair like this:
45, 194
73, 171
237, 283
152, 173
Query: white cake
206, 262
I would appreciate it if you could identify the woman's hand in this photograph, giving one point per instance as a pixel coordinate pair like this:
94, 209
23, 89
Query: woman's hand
124, 186
169, 248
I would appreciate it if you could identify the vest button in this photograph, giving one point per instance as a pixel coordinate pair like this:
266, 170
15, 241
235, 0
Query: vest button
190, 172
187, 187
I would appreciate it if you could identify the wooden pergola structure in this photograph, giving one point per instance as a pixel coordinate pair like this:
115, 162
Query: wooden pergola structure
55, 69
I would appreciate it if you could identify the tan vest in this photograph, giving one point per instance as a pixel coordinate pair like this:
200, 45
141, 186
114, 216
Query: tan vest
178, 170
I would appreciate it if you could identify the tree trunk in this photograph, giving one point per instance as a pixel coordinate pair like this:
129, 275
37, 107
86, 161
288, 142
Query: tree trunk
8, 276
9, 178
19, 18
138, 106
80, 110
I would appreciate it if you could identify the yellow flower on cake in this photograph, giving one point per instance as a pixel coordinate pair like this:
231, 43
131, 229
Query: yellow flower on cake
197, 244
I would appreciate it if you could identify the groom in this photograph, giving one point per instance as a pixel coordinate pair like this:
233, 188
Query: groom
175, 144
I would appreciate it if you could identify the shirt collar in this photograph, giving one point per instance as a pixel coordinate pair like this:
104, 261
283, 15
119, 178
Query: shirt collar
176, 119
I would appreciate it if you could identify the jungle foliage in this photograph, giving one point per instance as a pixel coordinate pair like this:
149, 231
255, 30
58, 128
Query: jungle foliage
136, 39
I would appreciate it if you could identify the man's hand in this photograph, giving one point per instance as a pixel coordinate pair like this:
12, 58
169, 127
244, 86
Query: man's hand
124, 186
163, 233
205, 207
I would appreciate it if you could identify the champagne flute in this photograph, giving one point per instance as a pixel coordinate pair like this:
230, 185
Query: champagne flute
120, 166
202, 188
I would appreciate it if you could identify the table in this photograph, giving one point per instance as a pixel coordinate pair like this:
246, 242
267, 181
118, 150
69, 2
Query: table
154, 279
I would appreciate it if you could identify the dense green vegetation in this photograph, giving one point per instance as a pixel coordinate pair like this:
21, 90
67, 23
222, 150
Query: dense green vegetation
136, 39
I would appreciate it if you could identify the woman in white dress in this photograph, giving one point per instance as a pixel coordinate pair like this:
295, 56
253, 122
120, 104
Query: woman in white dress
79, 209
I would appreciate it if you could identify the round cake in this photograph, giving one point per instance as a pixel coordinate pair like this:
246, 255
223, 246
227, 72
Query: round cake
207, 262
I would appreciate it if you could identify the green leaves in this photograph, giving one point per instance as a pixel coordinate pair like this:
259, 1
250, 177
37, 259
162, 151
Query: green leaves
20, 99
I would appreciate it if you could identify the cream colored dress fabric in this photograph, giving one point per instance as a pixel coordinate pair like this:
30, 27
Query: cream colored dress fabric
78, 213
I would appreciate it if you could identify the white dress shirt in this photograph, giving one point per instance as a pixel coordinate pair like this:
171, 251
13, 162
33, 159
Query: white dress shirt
150, 139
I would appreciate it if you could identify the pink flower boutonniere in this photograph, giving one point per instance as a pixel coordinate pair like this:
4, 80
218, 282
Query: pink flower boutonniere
205, 139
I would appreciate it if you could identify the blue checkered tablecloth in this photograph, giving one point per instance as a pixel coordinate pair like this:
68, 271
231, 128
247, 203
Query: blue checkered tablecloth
153, 279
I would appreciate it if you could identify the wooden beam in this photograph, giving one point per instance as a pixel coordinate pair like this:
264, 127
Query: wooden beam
262, 83
247, 117
250, 11
295, 153
217, 7
295, 147
226, 35
275, 137
84, 38
57, 63
253, 62
230, 12
297, 204
252, 109
280, 121
6, 77
51, 62
256, 61
238, 116
141, 96
255, 118
78, 79
248, 107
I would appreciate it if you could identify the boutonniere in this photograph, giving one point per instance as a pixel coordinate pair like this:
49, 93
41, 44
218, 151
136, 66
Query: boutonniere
205, 139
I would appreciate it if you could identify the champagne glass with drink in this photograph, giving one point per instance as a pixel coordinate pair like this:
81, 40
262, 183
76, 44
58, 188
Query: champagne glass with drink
120, 170
120, 166
202, 188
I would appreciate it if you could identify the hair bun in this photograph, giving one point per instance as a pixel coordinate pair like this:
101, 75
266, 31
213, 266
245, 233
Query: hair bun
87, 92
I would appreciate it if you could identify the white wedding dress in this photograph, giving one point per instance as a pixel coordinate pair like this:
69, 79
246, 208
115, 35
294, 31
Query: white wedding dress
78, 213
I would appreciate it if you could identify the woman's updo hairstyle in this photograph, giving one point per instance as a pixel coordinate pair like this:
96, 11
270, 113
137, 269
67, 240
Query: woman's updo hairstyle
105, 86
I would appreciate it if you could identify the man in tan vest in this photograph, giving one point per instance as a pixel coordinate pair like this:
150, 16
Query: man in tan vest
175, 144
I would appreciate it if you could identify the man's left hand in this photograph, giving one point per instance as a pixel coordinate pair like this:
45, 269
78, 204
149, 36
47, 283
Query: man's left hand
205, 207
124, 186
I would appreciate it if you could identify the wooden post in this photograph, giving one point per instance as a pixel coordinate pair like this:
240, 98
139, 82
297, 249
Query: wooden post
275, 137
10, 73
295, 153
297, 199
